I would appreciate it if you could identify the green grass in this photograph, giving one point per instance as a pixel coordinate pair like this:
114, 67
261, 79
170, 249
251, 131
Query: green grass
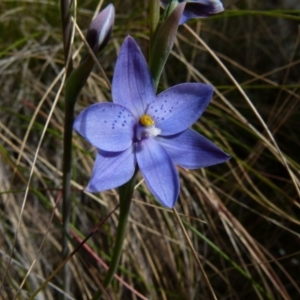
242, 217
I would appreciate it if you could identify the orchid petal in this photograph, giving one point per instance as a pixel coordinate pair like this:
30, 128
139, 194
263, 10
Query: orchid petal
132, 85
106, 126
191, 150
159, 171
112, 169
201, 9
179, 107
198, 9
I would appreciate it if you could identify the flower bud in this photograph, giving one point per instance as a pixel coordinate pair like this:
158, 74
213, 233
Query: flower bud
99, 31
198, 8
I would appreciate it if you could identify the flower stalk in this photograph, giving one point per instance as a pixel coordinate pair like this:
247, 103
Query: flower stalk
66, 31
164, 41
65, 6
154, 20
125, 198
98, 35
74, 84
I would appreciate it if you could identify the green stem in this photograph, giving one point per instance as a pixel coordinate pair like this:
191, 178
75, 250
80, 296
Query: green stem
125, 192
66, 30
74, 84
169, 9
164, 41
154, 19
67, 173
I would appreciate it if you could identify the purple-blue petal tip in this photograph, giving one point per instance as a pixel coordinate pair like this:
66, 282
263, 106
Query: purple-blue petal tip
100, 28
198, 9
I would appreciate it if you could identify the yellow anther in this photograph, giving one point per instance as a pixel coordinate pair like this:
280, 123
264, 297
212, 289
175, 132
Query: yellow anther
146, 121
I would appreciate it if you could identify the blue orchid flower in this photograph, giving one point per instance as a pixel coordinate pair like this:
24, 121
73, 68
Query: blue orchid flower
198, 9
145, 129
